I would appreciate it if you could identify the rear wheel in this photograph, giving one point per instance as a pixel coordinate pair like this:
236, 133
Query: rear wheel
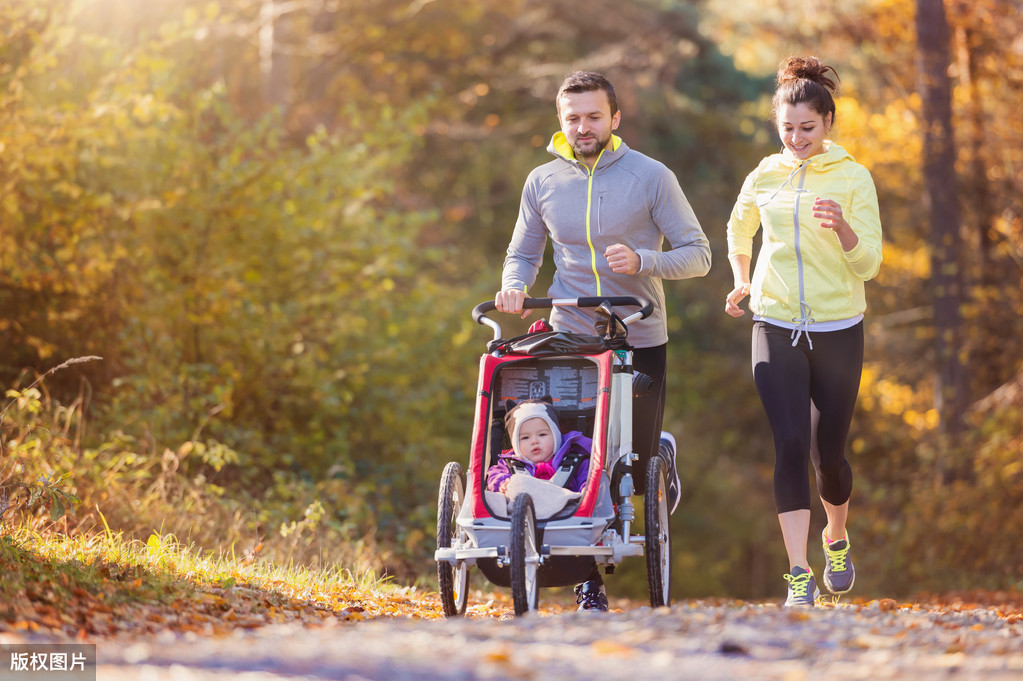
524, 556
453, 579
658, 535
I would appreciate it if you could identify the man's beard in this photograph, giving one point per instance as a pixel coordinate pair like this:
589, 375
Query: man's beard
597, 145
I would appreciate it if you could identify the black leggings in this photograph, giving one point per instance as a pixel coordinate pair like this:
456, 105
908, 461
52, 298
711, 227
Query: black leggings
809, 396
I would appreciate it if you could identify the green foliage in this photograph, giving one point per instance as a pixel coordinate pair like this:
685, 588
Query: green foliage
31, 458
18, 496
257, 294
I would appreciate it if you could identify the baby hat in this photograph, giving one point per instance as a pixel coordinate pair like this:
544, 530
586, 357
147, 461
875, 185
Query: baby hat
531, 409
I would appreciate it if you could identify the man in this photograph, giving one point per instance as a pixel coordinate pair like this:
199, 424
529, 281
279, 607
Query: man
608, 210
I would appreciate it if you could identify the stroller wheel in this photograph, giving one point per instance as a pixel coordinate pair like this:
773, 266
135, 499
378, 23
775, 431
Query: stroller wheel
525, 557
453, 580
658, 534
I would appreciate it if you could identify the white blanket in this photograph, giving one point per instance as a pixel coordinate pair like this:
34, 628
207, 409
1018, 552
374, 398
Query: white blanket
548, 498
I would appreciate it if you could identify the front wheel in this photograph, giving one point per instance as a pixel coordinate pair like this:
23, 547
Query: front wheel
453, 581
658, 534
524, 556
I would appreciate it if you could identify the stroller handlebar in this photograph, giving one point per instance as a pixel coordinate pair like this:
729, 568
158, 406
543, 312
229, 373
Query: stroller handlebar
645, 306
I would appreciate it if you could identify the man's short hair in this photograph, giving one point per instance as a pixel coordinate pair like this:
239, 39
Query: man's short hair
587, 81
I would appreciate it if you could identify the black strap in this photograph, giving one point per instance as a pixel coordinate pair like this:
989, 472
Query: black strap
517, 466
569, 465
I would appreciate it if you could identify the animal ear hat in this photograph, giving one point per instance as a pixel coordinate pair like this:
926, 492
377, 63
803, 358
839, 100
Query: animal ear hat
531, 409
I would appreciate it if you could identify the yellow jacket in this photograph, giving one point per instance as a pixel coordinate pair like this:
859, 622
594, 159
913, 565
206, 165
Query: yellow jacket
802, 275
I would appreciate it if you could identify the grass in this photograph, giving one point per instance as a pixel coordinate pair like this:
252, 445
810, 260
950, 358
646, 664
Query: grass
78, 580
92, 586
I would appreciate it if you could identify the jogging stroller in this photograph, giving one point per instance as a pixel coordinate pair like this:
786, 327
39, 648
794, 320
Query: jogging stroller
591, 381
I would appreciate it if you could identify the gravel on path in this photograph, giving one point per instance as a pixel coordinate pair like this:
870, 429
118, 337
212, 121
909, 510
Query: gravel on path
691, 641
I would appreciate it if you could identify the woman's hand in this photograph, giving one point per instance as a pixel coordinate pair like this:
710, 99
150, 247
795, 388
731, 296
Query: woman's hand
734, 298
830, 214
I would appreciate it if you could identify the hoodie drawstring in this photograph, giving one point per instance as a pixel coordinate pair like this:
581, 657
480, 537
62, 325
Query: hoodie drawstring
787, 182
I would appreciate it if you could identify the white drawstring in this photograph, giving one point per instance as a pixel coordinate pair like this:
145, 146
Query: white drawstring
788, 181
803, 323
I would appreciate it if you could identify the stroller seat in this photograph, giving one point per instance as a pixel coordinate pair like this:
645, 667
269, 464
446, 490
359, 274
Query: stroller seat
570, 382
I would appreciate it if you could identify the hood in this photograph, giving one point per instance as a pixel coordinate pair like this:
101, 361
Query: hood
832, 154
560, 147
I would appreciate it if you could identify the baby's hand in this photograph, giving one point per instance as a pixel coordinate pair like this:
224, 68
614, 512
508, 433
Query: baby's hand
503, 489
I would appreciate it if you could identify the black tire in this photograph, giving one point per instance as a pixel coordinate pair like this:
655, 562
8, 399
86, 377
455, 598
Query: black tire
524, 556
658, 533
453, 580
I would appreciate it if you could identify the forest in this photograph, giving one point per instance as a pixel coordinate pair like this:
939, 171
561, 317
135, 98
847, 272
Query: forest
240, 241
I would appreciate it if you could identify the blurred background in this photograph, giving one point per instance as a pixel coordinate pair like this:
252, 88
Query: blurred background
271, 219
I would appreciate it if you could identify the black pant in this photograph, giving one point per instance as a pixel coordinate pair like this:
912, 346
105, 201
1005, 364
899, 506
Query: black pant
647, 414
648, 411
809, 396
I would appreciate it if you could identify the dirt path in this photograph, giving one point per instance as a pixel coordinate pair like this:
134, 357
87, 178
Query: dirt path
691, 640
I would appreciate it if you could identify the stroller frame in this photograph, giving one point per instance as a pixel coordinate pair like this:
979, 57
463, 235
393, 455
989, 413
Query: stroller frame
517, 549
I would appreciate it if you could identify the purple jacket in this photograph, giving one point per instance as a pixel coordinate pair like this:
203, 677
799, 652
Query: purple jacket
501, 471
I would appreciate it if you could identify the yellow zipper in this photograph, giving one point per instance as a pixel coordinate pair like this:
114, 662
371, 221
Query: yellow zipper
589, 206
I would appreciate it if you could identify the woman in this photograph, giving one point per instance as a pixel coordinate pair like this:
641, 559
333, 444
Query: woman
821, 242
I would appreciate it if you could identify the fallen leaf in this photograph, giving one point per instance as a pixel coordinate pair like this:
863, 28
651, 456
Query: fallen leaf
609, 647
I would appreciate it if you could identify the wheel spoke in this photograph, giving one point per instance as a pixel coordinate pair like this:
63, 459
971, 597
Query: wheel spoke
452, 579
658, 537
525, 558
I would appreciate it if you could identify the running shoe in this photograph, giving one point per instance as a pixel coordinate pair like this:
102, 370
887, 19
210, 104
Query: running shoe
803, 589
839, 573
668, 452
590, 595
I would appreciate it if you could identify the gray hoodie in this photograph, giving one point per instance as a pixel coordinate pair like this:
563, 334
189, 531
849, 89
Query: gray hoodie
628, 198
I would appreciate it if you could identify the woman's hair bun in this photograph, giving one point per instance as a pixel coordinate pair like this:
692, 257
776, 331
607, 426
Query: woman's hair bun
807, 68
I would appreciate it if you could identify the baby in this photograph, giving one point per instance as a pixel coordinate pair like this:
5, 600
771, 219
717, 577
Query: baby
538, 447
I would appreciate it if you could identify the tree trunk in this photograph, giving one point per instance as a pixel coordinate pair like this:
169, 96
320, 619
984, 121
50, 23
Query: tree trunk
991, 338
942, 203
274, 58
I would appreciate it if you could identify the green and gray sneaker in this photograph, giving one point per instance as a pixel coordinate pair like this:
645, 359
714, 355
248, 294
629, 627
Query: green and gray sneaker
839, 573
803, 589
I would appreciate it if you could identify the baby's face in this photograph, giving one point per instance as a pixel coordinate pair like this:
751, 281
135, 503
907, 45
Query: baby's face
536, 441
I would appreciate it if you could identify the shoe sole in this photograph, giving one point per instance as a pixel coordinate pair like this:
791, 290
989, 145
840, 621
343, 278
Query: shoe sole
803, 604
676, 482
835, 591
